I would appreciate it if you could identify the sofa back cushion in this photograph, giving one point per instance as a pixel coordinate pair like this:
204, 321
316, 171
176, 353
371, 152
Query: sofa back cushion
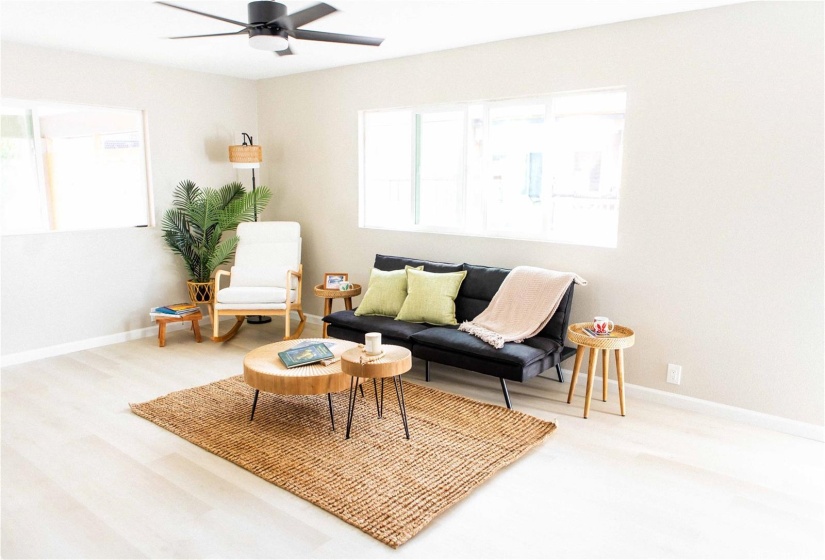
385, 262
478, 288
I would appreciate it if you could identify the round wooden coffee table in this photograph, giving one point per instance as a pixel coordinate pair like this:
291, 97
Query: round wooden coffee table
330, 295
618, 340
263, 370
395, 361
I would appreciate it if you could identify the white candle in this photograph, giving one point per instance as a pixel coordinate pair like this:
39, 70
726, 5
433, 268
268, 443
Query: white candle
372, 343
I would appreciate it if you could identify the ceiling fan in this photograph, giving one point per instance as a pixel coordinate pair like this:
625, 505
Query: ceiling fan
270, 26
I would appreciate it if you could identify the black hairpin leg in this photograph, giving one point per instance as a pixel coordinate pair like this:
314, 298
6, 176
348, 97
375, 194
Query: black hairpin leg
353, 393
362, 389
558, 371
375, 388
506, 394
380, 407
331, 415
399, 392
254, 404
427, 370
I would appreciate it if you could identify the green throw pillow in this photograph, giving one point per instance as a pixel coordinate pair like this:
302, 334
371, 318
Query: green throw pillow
431, 297
386, 292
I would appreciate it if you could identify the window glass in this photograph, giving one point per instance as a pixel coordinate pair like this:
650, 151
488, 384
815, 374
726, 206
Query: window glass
440, 169
69, 167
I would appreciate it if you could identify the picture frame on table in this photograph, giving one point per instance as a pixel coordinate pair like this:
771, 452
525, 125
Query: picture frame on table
332, 280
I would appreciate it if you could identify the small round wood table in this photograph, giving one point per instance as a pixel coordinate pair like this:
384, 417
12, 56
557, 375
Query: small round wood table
618, 340
395, 361
263, 370
330, 295
163, 321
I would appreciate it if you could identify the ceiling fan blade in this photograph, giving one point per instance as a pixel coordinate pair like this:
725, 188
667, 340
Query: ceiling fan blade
302, 17
286, 52
210, 35
246, 25
335, 37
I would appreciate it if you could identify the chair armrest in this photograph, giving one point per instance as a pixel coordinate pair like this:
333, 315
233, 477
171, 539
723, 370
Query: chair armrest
218, 279
299, 274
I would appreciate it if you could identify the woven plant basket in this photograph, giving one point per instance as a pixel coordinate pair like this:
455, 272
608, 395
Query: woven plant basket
201, 292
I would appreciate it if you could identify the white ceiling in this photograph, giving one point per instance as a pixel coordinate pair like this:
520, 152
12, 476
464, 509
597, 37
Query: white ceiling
135, 29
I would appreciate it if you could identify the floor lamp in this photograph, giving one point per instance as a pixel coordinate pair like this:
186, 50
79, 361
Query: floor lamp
249, 156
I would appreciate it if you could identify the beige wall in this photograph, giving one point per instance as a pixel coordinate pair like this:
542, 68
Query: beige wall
64, 287
719, 265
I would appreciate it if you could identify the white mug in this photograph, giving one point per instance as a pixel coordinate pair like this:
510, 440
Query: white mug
372, 343
602, 325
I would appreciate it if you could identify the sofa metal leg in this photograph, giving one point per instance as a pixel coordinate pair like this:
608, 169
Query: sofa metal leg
558, 371
506, 394
427, 370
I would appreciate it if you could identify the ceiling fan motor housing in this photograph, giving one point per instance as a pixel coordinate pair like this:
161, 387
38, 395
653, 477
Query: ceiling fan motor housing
263, 11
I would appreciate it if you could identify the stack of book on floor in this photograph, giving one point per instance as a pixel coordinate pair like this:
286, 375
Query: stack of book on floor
175, 310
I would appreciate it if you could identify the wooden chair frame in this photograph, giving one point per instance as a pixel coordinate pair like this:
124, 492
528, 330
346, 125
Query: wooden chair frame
241, 314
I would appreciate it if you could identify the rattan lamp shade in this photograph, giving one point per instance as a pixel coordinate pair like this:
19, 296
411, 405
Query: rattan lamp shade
245, 156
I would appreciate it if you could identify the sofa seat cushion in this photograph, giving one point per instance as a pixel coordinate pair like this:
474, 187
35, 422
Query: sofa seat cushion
251, 295
388, 326
520, 354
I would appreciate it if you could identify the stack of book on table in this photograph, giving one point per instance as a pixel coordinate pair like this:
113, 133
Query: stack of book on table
175, 310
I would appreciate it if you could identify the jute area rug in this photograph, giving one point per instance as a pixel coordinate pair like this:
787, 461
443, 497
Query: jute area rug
378, 481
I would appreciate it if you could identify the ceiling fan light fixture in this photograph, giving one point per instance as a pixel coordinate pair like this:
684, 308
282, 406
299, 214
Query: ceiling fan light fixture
268, 42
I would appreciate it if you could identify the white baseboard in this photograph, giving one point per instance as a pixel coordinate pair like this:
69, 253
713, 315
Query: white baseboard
710, 408
78, 345
69, 347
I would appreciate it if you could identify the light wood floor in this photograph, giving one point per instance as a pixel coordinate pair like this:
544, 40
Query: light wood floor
83, 477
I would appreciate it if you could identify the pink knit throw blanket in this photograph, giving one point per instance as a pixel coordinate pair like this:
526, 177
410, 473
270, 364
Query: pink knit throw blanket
522, 306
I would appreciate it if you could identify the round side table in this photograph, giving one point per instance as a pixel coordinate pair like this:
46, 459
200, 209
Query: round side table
330, 295
395, 361
618, 340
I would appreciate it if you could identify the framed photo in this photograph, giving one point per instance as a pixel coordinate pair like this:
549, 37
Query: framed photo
333, 279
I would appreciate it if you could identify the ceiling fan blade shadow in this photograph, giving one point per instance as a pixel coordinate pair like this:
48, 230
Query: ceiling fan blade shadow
210, 35
286, 52
302, 17
335, 37
245, 25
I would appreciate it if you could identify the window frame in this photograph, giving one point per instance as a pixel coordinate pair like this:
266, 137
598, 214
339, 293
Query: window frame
547, 233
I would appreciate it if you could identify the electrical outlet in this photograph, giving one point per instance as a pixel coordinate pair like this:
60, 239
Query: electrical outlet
674, 374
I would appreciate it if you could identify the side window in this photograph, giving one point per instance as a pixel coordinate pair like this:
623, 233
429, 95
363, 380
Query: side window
72, 167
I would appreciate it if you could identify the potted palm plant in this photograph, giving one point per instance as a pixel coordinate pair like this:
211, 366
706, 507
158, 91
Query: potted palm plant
194, 225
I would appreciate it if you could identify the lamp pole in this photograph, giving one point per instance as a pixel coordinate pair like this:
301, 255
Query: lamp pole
254, 194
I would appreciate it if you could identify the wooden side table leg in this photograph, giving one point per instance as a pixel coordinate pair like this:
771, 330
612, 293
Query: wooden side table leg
197, 328
604, 374
620, 377
348, 303
576, 366
327, 311
591, 374
162, 333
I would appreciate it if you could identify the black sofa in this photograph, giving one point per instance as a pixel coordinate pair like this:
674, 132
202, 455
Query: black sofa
448, 345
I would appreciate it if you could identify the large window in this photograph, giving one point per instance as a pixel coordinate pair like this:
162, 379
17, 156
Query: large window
542, 169
71, 167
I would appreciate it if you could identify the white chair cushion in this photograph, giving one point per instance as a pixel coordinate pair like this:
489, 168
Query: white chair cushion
253, 295
262, 276
268, 242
